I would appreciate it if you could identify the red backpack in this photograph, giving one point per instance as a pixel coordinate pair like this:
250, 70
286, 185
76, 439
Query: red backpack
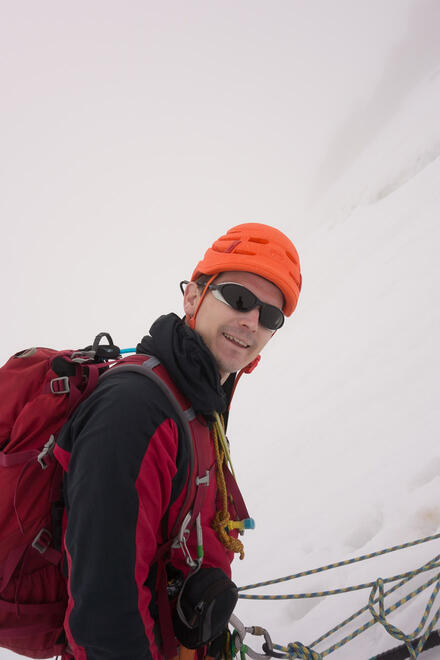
39, 390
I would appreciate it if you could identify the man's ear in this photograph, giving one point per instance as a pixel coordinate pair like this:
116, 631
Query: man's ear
191, 299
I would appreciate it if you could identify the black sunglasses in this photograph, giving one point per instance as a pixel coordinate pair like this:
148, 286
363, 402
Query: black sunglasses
243, 300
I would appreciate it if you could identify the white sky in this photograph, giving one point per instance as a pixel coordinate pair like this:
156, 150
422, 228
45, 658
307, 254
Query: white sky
132, 134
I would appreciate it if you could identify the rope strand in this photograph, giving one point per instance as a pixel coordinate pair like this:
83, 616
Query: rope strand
222, 518
377, 596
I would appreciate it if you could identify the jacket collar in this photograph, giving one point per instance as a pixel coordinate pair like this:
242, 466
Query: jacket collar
189, 362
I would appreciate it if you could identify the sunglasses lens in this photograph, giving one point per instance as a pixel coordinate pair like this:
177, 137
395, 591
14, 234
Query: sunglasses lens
239, 297
244, 300
271, 317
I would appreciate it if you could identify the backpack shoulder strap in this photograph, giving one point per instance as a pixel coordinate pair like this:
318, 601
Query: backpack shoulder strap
185, 416
146, 369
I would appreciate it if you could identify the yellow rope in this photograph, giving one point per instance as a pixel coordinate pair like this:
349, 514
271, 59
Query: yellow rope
222, 517
223, 441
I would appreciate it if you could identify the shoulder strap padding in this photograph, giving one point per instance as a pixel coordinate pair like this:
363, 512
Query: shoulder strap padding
146, 369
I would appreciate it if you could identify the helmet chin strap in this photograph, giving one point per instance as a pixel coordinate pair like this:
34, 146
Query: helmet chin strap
246, 370
191, 320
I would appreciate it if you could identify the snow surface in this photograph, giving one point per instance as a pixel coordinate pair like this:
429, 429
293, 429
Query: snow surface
335, 436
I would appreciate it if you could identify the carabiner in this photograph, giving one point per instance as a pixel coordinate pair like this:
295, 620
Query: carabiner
245, 649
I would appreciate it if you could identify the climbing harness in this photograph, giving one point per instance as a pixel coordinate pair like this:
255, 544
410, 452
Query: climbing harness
414, 642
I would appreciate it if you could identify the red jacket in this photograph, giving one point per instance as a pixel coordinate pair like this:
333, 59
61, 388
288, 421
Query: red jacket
127, 473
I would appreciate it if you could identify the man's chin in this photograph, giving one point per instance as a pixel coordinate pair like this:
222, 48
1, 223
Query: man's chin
231, 359
226, 369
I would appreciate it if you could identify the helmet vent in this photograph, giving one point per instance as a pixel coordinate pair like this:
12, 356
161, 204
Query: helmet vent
250, 253
295, 279
292, 258
254, 239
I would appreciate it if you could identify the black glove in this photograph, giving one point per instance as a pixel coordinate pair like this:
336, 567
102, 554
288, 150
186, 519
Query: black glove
204, 606
220, 647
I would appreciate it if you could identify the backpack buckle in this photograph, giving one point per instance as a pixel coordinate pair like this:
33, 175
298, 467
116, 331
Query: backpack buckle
60, 385
203, 481
46, 453
42, 541
82, 356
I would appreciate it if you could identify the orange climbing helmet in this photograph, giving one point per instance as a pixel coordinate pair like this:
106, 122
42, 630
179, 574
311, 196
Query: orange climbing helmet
260, 249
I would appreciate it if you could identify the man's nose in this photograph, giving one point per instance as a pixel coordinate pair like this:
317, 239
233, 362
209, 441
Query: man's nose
250, 319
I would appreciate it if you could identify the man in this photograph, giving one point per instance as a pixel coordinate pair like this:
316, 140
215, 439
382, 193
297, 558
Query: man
128, 473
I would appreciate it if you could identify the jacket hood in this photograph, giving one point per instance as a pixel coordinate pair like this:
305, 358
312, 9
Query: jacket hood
189, 362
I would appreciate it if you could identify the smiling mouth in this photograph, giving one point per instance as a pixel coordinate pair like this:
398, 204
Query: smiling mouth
235, 340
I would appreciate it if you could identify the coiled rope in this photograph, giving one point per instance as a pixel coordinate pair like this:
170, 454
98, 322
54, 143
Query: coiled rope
222, 518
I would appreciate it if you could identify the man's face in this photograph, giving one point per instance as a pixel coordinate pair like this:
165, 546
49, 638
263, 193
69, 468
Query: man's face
234, 338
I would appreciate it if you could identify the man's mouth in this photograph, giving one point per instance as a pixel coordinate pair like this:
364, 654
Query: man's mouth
235, 340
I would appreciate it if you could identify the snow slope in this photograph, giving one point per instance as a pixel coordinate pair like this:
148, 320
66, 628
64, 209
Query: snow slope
351, 463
